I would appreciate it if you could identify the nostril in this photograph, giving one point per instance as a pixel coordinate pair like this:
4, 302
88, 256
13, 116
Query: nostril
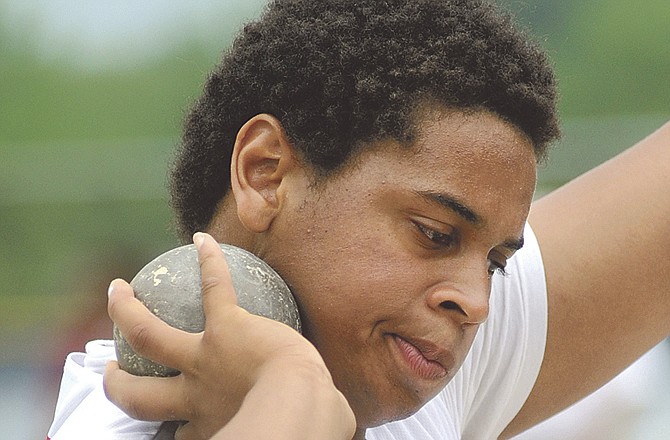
450, 305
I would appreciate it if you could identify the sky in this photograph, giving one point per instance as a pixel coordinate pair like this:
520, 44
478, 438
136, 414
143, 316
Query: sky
99, 35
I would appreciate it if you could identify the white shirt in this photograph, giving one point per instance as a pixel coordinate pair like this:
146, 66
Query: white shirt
484, 396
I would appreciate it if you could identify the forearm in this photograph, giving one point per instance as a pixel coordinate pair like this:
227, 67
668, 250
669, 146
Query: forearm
298, 403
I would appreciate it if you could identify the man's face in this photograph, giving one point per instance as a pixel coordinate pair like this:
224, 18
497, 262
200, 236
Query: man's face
390, 260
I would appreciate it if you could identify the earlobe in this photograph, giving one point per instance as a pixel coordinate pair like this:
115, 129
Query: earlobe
261, 158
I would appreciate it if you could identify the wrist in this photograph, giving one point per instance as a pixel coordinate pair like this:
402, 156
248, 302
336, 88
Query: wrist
298, 401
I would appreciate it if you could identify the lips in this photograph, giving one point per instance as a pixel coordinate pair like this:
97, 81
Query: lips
422, 358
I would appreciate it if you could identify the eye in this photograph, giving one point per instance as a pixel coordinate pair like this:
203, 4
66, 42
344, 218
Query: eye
436, 238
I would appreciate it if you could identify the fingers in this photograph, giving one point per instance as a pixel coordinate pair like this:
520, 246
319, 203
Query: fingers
144, 331
217, 286
144, 398
186, 431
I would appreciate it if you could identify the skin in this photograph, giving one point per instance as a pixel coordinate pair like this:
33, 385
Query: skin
387, 225
604, 240
282, 377
381, 250
342, 245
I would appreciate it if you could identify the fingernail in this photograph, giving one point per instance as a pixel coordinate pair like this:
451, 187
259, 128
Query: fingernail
198, 239
111, 288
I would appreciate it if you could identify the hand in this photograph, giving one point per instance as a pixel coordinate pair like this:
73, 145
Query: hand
238, 356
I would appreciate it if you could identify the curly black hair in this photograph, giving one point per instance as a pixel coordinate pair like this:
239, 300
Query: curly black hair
341, 74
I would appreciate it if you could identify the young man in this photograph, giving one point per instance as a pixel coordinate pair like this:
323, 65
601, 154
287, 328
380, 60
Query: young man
381, 157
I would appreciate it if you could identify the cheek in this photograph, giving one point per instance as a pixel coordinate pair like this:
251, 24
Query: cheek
346, 267
346, 281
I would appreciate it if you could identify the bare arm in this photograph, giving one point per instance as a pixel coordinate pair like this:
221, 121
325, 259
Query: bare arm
605, 240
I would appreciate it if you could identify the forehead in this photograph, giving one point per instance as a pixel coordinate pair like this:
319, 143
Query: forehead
451, 143
480, 134
477, 153
475, 156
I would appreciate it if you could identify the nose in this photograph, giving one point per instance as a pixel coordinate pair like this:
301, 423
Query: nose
465, 302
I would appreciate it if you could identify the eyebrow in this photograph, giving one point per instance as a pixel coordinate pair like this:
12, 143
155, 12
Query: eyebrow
452, 203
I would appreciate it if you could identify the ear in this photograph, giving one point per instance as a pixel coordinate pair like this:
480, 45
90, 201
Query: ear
262, 157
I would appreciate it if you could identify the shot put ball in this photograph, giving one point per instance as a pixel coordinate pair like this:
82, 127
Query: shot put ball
170, 287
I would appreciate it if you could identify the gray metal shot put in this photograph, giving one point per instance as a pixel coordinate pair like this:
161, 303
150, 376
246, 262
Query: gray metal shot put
170, 287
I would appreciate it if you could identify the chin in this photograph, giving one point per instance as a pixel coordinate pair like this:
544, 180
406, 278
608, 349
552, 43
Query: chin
372, 415
378, 420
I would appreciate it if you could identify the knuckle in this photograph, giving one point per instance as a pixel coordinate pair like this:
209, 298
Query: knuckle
206, 258
133, 409
210, 282
122, 400
139, 337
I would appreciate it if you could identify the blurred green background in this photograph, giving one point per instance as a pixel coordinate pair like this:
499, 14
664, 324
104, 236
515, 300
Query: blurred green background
92, 95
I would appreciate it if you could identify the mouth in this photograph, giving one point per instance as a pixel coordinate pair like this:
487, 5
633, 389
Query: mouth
425, 359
